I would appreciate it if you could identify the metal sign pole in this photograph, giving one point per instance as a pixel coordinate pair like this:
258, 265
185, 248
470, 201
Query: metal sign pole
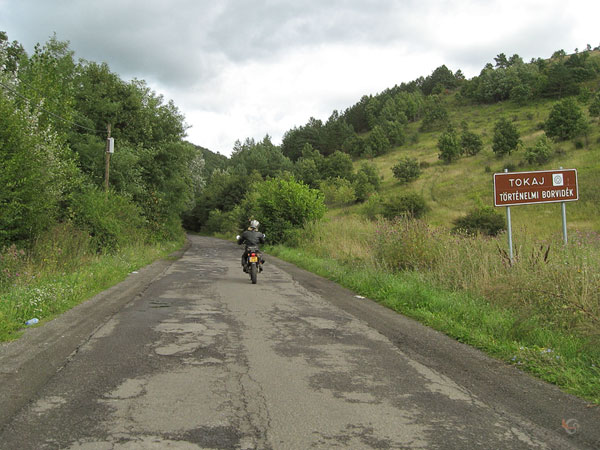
564, 221
510, 243
509, 229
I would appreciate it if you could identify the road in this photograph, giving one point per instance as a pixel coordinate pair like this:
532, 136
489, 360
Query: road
188, 354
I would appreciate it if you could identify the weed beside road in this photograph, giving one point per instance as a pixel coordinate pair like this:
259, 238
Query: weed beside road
44, 284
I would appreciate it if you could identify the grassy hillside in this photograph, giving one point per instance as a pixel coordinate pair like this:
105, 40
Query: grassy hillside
453, 189
540, 312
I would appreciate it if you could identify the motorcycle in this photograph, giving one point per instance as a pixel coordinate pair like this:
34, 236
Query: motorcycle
252, 262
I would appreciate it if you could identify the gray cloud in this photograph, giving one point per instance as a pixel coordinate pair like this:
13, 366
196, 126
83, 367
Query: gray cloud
246, 68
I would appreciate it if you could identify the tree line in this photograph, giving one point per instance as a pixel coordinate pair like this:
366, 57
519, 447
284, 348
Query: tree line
54, 114
53, 126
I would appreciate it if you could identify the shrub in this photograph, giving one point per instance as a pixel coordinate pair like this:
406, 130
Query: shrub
449, 146
483, 220
506, 137
338, 191
540, 152
373, 207
407, 169
566, 121
411, 205
282, 205
112, 220
470, 143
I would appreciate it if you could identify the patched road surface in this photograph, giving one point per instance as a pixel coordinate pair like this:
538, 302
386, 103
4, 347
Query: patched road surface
188, 354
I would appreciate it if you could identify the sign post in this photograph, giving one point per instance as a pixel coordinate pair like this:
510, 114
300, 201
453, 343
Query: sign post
528, 188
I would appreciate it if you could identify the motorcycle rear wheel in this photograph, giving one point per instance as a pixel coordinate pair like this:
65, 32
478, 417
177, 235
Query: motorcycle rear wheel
253, 273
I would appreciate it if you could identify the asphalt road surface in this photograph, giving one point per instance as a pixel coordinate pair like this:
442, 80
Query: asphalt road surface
188, 354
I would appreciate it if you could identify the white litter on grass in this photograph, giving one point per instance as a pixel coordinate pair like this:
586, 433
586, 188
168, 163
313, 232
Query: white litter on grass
359, 296
134, 271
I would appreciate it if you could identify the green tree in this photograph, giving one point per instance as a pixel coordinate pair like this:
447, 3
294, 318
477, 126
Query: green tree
470, 143
594, 108
283, 206
378, 141
338, 191
435, 115
37, 173
506, 137
337, 165
540, 152
371, 173
264, 157
407, 170
566, 121
449, 146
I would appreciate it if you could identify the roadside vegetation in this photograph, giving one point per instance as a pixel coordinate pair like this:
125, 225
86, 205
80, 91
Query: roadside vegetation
391, 197
541, 313
63, 235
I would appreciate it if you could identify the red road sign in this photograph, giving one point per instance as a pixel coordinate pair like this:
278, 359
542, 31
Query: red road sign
545, 186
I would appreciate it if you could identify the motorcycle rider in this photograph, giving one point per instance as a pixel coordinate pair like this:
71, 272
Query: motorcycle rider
251, 237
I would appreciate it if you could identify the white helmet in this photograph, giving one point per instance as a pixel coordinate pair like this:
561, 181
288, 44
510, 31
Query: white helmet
254, 224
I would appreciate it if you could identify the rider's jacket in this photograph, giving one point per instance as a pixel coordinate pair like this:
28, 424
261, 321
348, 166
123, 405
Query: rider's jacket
251, 237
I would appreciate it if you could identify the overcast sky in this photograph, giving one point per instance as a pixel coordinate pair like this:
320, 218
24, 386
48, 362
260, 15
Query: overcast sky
239, 69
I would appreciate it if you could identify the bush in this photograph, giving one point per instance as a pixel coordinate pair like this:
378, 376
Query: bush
566, 121
470, 143
449, 146
282, 205
407, 169
506, 137
484, 220
338, 191
540, 152
373, 207
112, 220
411, 205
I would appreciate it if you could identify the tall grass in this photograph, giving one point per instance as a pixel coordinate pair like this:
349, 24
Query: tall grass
62, 269
540, 311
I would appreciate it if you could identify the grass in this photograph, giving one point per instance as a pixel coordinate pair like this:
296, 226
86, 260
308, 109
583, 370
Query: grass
45, 285
542, 313
553, 356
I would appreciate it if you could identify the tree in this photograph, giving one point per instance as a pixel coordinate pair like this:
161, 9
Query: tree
337, 165
470, 143
540, 152
506, 137
378, 141
37, 173
594, 108
338, 191
449, 146
566, 121
264, 157
407, 170
435, 114
283, 207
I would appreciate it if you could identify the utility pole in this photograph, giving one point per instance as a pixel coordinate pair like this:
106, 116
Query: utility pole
107, 160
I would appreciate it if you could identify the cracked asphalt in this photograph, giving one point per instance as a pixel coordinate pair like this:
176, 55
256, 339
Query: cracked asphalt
188, 354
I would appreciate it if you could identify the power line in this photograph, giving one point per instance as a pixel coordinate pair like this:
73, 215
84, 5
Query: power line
8, 88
